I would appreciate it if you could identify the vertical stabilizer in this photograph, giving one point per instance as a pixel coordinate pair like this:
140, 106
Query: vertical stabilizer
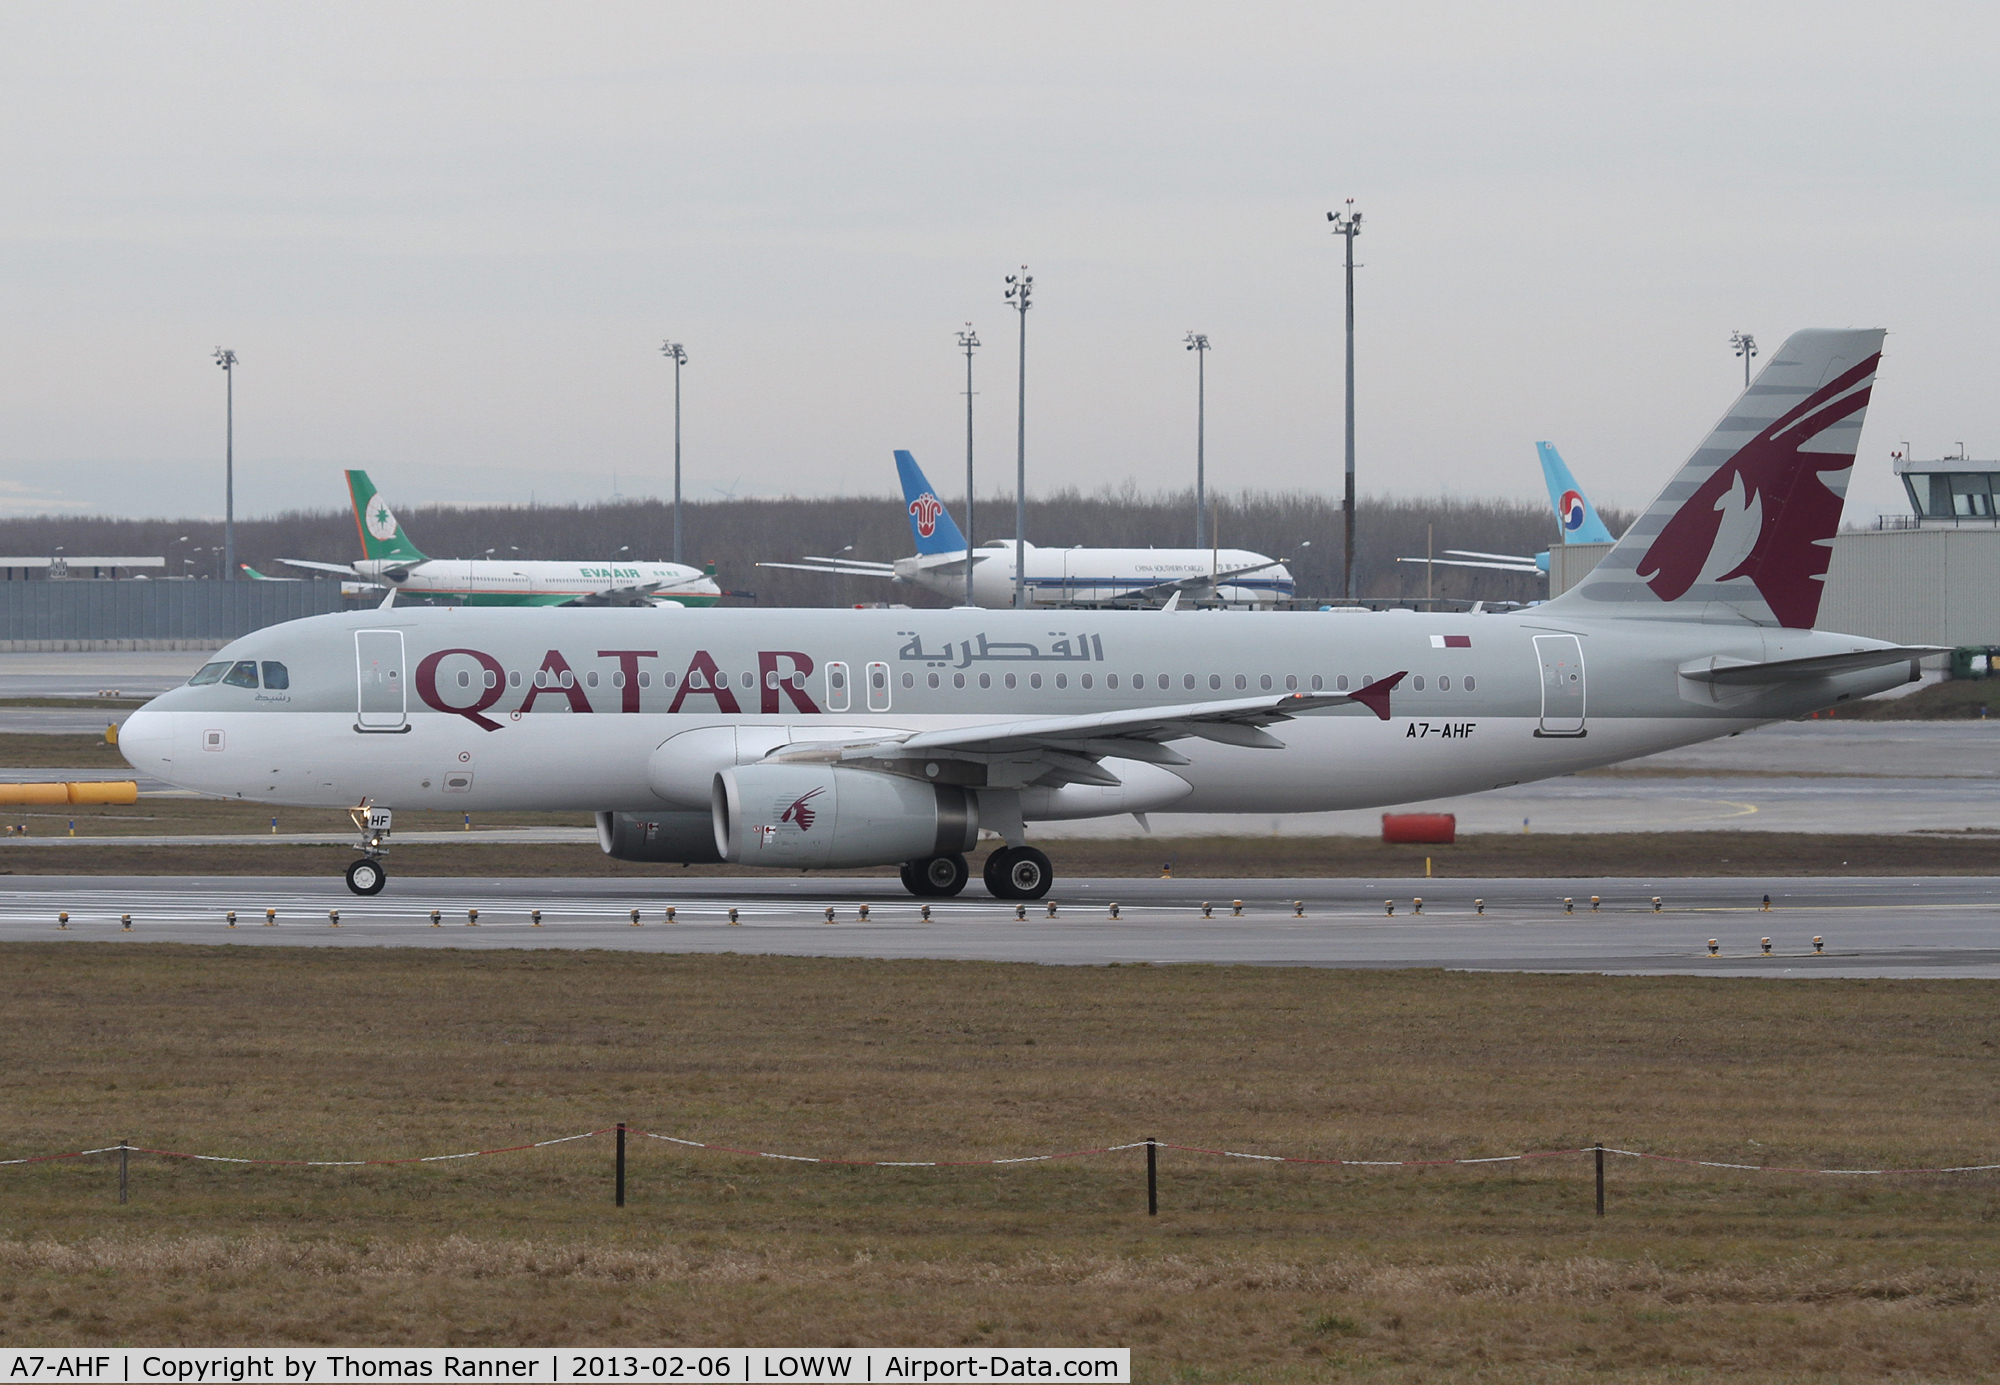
381, 532
929, 521
1743, 531
1574, 512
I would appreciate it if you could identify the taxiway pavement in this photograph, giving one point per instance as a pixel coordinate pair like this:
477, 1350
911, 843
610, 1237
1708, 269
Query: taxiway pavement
1872, 927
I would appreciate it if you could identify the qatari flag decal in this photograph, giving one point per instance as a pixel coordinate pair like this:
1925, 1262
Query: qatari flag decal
1451, 641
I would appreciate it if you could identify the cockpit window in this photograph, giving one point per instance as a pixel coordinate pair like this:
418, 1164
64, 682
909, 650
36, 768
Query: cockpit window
276, 676
243, 674
209, 673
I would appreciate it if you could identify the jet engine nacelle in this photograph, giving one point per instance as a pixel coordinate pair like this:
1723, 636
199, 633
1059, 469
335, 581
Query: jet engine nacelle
809, 816
686, 838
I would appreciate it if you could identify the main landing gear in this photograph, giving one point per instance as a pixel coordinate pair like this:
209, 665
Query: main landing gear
1018, 872
368, 875
936, 876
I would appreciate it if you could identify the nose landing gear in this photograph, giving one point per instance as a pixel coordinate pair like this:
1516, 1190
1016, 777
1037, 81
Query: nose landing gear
368, 875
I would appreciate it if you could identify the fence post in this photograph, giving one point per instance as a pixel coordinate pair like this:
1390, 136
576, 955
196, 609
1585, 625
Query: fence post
621, 1165
1600, 1178
124, 1169
1152, 1177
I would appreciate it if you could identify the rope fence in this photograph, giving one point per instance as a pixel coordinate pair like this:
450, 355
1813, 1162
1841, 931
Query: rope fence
125, 1149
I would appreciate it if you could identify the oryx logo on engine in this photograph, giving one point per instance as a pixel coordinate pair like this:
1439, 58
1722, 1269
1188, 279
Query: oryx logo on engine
800, 813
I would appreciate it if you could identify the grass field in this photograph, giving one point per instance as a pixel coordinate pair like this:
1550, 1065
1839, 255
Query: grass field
1252, 1272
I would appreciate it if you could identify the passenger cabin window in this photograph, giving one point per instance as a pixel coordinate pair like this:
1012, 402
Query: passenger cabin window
209, 673
1469, 685
1062, 680
243, 674
514, 679
277, 676
1214, 681
1418, 682
1034, 680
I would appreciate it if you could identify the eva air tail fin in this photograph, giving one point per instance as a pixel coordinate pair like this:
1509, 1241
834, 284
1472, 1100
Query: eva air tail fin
1574, 512
929, 521
381, 532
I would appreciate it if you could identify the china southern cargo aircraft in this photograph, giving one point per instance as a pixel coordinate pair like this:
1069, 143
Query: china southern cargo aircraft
1576, 516
802, 739
394, 562
1059, 576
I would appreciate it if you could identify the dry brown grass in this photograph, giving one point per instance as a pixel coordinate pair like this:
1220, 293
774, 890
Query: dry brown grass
1252, 1272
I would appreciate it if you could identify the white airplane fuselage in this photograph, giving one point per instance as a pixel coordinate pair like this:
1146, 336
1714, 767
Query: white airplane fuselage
1066, 576
459, 708
488, 582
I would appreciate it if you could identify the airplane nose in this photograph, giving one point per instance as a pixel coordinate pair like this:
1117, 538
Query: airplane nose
146, 740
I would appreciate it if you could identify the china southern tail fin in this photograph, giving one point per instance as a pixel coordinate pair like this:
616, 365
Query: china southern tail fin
1574, 512
929, 521
381, 533
1743, 531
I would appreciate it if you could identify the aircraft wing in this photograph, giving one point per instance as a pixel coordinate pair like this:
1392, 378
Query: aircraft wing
639, 595
1066, 749
840, 567
1725, 670
1466, 562
342, 568
1160, 591
1500, 557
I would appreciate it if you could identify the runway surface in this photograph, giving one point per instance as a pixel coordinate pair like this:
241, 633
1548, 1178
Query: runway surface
1872, 927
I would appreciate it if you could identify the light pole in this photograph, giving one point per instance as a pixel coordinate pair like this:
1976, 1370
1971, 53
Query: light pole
1348, 225
968, 341
1019, 286
1746, 347
1197, 342
226, 358
676, 353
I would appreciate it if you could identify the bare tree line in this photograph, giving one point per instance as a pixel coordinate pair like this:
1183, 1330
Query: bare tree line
1300, 528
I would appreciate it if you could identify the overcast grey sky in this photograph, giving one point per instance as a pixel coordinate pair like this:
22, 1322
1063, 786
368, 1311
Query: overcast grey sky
447, 240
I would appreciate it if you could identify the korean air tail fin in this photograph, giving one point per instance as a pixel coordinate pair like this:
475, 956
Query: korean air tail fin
381, 532
929, 521
1743, 532
1574, 512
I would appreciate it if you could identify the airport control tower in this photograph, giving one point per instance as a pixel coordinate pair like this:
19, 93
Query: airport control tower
1950, 492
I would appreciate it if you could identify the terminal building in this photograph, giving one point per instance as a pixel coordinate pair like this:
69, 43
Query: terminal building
1929, 577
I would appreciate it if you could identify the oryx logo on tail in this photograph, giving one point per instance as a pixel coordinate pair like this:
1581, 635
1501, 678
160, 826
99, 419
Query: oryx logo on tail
1773, 498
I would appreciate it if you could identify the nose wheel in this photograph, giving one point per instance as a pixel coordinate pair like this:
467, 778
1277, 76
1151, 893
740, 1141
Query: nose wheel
1018, 872
367, 876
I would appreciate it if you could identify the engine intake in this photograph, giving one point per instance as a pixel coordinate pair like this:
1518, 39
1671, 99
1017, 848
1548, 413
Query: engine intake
811, 816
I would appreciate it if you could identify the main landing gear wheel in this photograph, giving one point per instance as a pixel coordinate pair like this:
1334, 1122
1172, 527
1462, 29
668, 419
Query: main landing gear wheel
366, 877
1018, 872
936, 876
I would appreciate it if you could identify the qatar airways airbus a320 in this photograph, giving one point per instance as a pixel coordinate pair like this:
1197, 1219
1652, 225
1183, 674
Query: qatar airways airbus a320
828, 738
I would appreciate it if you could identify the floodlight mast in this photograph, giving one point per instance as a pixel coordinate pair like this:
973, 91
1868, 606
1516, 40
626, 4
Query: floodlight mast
676, 353
1197, 342
1348, 225
226, 358
968, 342
1746, 347
1019, 287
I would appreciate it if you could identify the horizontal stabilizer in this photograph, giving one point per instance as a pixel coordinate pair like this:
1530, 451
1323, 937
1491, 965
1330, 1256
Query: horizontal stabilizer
842, 569
342, 568
1738, 671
